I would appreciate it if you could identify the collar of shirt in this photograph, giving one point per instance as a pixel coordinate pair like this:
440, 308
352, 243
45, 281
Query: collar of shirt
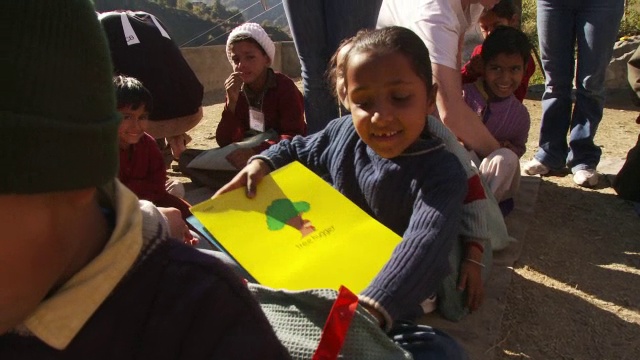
59, 318
255, 99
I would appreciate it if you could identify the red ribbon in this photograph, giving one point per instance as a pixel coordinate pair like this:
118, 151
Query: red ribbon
337, 325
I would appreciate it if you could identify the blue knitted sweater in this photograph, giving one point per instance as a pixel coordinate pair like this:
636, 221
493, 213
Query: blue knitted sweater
418, 195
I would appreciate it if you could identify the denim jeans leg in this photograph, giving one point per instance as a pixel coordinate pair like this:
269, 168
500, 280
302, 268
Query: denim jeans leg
597, 27
318, 27
556, 33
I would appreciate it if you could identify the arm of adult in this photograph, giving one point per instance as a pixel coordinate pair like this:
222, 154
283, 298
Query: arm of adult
437, 24
457, 115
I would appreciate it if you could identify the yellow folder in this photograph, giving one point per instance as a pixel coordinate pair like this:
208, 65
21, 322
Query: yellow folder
298, 233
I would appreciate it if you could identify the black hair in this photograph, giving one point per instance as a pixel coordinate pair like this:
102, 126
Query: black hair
249, 39
505, 9
131, 92
506, 40
394, 39
333, 73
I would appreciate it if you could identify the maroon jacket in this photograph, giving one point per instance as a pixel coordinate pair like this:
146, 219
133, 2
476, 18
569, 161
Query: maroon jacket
142, 170
283, 109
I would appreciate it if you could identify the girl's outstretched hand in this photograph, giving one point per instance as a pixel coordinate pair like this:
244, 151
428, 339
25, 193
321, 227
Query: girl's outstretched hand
248, 177
471, 278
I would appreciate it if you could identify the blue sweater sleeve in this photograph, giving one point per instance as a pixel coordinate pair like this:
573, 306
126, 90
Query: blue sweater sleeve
420, 262
313, 151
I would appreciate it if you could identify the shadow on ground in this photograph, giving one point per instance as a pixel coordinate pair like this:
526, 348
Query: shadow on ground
581, 284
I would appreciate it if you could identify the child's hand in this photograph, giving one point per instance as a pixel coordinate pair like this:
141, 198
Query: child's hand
248, 177
232, 86
178, 228
239, 157
376, 314
471, 278
178, 144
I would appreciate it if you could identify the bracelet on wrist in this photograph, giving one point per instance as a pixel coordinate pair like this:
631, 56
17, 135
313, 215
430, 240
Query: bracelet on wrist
474, 262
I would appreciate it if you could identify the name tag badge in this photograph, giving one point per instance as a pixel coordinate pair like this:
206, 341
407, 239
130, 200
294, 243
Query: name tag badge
256, 120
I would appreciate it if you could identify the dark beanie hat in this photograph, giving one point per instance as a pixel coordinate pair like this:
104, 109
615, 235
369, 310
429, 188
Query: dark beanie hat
58, 118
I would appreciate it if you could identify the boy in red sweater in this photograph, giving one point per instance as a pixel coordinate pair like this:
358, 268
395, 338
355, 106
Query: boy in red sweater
141, 164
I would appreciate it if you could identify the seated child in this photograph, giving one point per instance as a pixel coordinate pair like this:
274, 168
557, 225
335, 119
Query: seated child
86, 270
142, 167
504, 54
503, 13
154, 58
385, 160
482, 230
259, 101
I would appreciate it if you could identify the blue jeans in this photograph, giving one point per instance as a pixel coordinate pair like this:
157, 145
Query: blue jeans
318, 27
592, 25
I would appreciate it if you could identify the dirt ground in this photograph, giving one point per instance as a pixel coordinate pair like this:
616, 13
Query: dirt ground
576, 289
575, 293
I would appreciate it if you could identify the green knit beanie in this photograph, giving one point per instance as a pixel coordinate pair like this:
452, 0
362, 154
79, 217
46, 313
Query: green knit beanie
58, 118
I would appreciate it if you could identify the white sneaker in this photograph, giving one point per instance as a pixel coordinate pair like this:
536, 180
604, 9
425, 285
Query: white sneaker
535, 167
586, 177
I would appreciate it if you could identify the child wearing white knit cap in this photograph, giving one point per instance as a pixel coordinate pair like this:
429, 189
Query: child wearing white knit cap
259, 102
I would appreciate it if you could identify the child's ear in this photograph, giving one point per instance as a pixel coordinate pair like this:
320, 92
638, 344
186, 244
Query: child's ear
342, 97
345, 102
431, 99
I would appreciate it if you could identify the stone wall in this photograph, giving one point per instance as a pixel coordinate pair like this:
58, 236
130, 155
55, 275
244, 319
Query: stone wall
616, 76
212, 67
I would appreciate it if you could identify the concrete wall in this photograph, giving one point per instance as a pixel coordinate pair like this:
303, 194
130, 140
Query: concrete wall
212, 68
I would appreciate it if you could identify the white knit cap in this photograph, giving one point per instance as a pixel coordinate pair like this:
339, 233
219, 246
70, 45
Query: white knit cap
255, 32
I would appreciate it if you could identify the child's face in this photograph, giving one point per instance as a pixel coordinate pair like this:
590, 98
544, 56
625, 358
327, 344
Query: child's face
131, 128
389, 102
503, 74
35, 252
489, 21
249, 60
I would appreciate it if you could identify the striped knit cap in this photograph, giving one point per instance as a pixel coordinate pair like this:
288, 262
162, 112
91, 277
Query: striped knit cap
58, 119
255, 32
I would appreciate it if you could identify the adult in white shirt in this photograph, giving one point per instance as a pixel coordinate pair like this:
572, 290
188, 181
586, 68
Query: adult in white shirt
442, 24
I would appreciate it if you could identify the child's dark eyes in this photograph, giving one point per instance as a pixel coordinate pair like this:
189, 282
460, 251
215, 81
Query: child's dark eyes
236, 60
362, 104
365, 103
514, 69
401, 97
